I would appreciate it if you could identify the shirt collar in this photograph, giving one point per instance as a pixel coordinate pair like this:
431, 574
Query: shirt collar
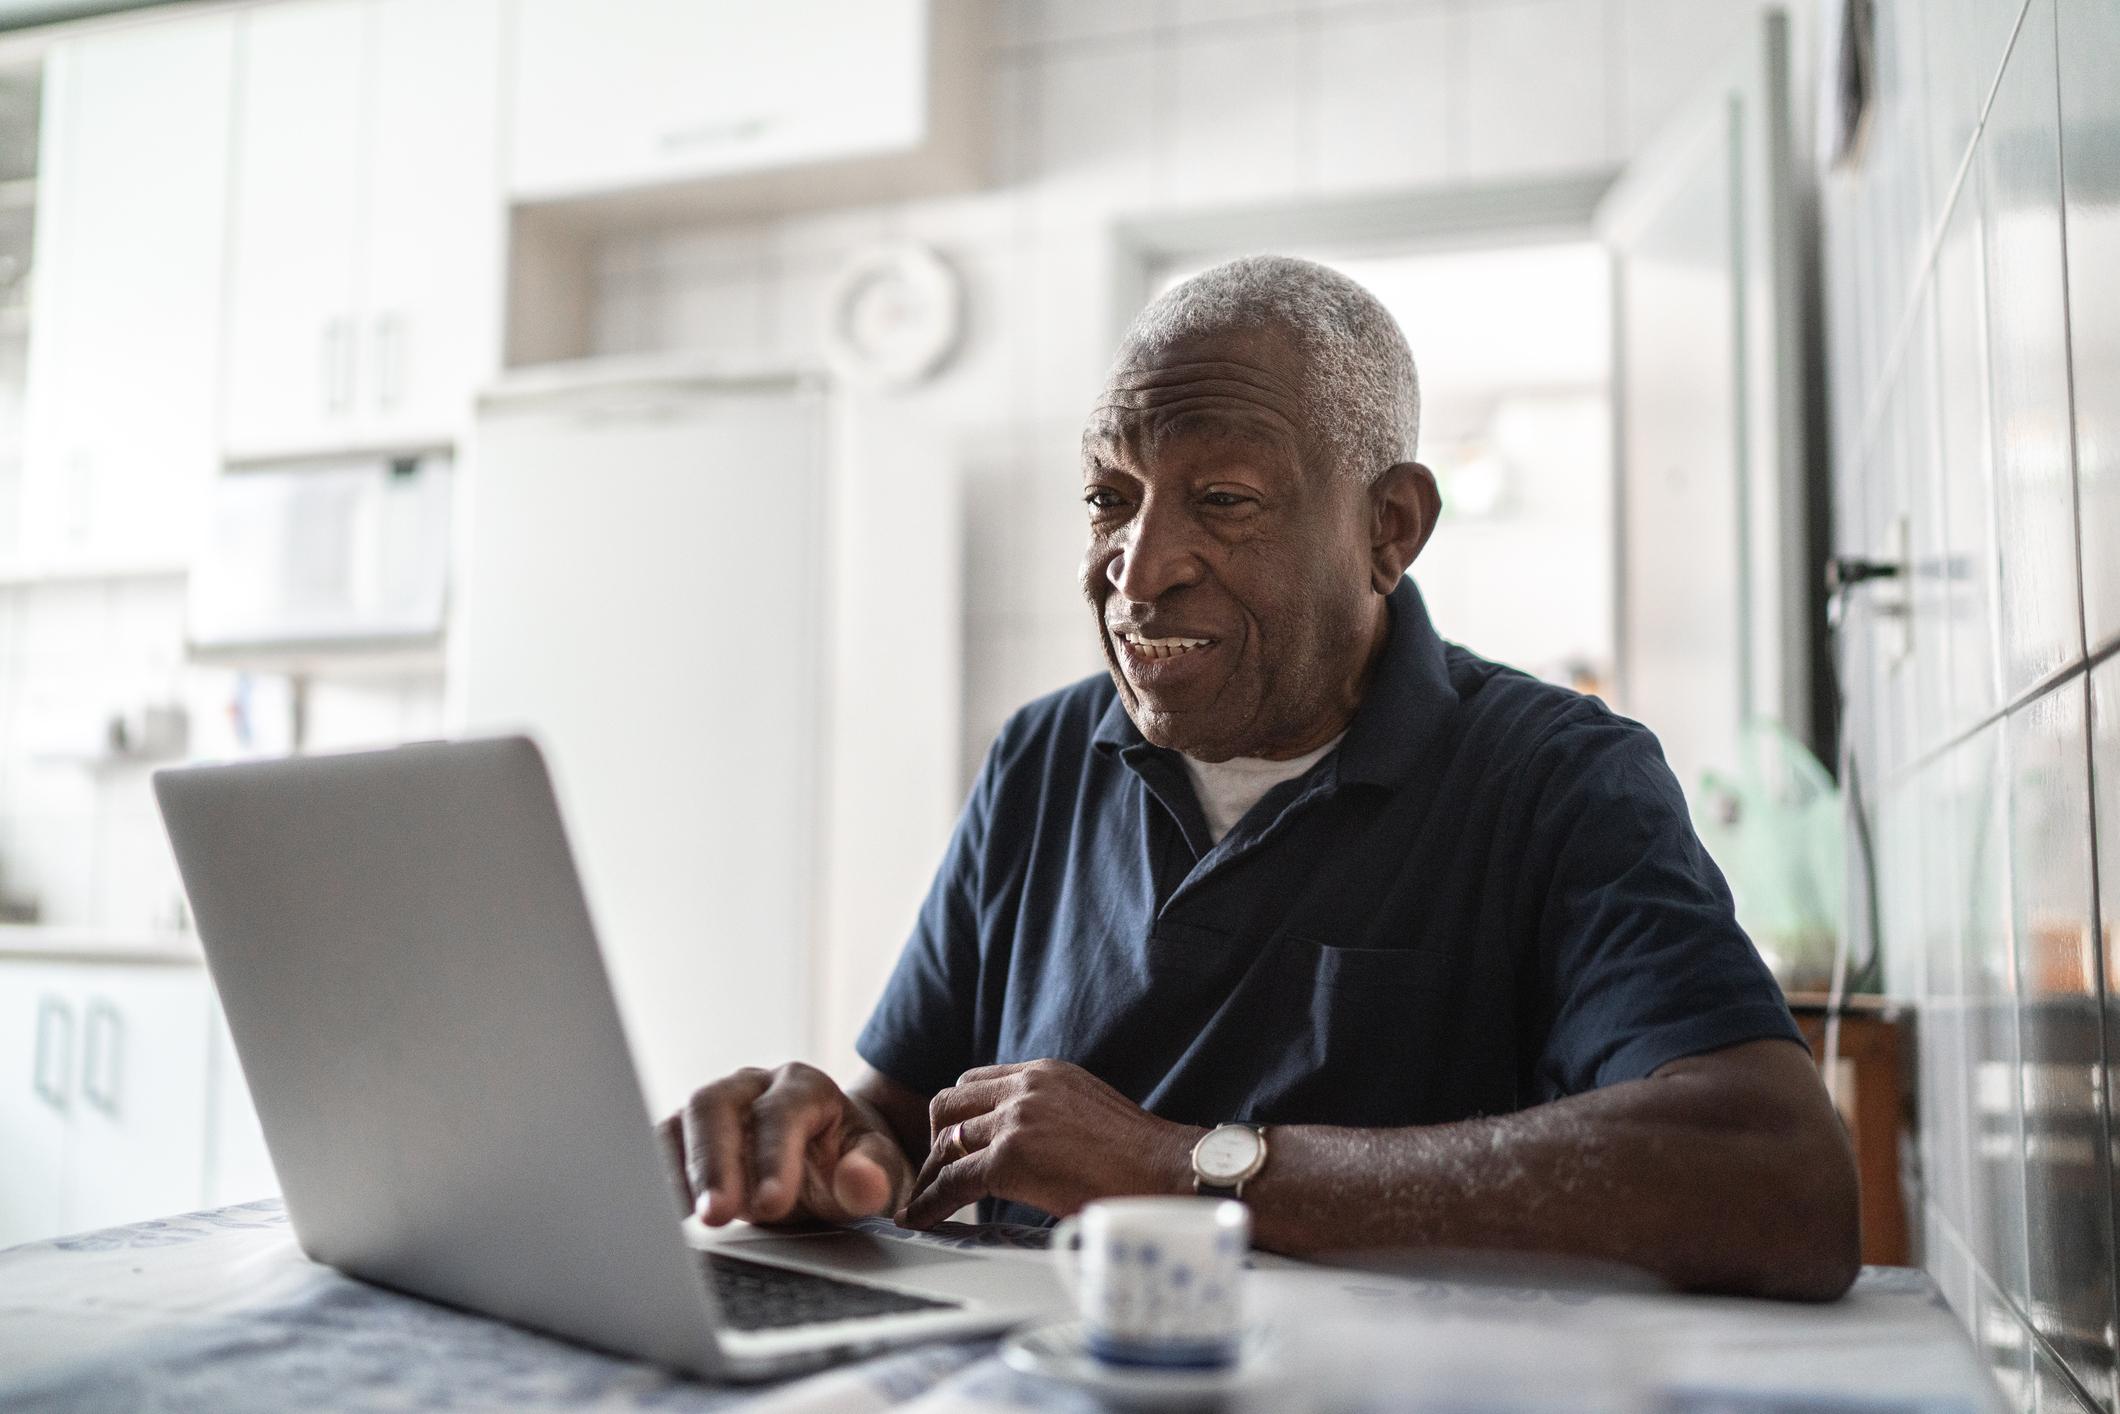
1409, 699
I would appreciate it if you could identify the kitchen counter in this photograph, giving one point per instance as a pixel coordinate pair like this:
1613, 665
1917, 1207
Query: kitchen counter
51, 942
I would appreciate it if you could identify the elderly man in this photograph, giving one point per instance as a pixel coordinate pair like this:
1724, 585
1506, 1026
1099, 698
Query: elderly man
1304, 904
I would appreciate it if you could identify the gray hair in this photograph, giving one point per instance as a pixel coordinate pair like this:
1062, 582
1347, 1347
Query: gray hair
1363, 395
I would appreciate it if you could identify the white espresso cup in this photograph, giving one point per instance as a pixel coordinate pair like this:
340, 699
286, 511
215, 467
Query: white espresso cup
1158, 1281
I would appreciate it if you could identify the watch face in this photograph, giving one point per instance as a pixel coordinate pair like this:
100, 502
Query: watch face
1227, 1153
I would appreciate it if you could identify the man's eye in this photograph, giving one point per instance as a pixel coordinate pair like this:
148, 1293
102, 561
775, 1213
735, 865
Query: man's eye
1101, 499
1224, 499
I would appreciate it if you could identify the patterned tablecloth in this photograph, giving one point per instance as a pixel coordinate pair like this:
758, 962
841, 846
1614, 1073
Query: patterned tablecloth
221, 1311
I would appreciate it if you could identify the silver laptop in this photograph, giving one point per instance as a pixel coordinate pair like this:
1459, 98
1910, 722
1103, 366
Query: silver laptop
401, 944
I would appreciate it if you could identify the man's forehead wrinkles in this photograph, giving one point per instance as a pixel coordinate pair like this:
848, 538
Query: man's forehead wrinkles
1151, 387
1119, 438
1206, 419
1222, 390
1131, 433
1146, 376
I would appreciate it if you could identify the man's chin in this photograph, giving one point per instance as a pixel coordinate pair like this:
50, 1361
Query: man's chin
1194, 719
1194, 733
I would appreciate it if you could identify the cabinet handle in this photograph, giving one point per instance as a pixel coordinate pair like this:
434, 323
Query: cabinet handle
723, 132
328, 365
389, 359
99, 1082
53, 1014
79, 491
338, 364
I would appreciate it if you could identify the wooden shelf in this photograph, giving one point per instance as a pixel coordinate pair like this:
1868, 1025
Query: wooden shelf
1871, 1088
1853, 1004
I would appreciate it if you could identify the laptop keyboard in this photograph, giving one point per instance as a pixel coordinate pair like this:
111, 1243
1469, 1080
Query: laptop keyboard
754, 1296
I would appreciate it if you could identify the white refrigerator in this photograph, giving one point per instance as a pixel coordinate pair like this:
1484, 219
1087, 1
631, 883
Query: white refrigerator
643, 585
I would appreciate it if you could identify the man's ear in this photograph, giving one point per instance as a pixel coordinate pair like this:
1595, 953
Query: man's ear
1403, 506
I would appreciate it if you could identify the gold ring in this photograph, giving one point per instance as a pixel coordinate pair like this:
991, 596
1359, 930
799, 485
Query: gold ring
954, 1141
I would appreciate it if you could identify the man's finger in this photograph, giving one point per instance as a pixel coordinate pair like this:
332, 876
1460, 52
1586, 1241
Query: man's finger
715, 1126
860, 1184
670, 1133
956, 1184
965, 1136
793, 1112
964, 1101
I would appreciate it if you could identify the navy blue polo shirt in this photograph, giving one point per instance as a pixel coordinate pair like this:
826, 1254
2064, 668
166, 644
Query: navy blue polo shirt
1488, 896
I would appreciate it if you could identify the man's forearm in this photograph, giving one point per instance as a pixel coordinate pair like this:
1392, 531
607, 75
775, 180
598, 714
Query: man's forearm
1710, 1183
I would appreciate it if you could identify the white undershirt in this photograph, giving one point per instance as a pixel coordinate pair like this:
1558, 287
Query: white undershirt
1226, 789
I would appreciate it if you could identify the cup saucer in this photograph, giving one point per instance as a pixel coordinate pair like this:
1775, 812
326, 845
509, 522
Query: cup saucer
1057, 1350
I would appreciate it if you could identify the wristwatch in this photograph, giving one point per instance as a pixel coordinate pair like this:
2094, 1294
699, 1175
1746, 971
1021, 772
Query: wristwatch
1226, 1158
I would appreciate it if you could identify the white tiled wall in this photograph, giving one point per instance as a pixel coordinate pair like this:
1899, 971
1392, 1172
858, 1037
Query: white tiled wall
2090, 98
79, 833
1108, 109
77, 836
1971, 308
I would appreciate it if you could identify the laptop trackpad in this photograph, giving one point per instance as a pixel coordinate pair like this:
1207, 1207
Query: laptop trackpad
851, 1253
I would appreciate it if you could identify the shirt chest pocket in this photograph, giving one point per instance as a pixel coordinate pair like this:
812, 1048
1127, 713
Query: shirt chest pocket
1401, 971
1375, 1020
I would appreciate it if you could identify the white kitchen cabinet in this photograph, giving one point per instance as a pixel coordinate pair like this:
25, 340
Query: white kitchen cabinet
436, 227
114, 1101
238, 1168
40, 1035
139, 1142
367, 238
122, 385
606, 98
291, 317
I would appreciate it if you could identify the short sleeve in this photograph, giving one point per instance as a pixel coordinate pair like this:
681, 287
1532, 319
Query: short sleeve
1642, 956
921, 1032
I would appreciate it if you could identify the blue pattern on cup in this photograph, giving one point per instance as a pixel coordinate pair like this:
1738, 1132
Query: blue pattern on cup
1166, 1291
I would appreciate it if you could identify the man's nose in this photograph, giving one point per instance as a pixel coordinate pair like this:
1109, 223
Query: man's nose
1156, 556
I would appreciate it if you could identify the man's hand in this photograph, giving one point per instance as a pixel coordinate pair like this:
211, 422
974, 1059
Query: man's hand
769, 1146
1046, 1133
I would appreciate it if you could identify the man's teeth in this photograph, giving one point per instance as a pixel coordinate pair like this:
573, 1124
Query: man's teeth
1163, 647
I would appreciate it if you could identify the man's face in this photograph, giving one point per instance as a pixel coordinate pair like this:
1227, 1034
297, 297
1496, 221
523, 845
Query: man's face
1230, 569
